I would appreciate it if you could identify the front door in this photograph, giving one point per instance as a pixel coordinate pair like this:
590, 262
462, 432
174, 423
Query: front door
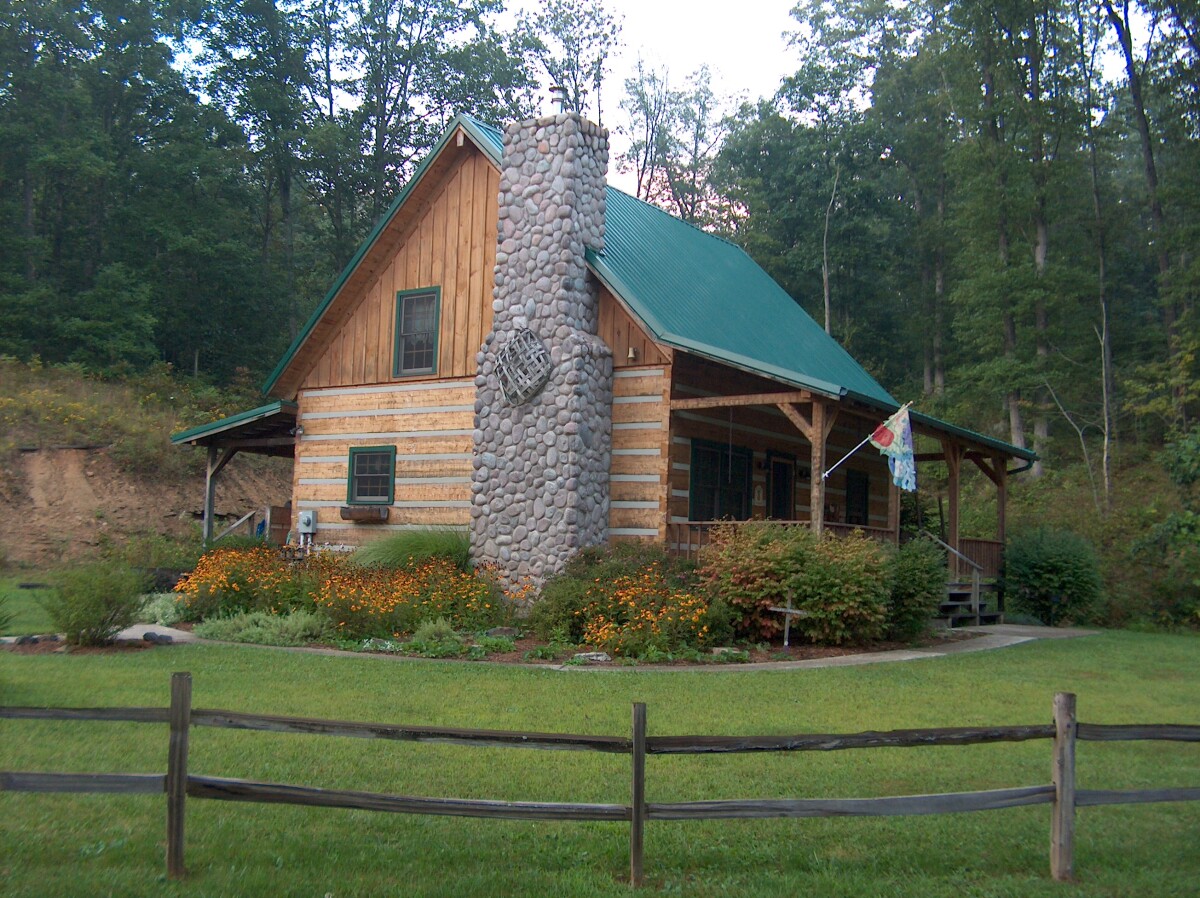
783, 490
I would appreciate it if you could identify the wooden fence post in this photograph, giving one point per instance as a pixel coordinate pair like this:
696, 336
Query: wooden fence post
637, 804
177, 756
1062, 821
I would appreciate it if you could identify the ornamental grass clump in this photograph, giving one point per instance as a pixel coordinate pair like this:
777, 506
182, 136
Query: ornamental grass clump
412, 548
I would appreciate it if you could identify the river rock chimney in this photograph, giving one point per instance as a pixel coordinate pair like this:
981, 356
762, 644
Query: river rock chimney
543, 406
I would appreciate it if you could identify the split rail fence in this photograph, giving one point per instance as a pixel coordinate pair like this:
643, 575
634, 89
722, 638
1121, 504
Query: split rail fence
179, 784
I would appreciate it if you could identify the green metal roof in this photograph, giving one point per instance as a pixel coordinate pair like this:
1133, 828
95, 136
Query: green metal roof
694, 291
255, 420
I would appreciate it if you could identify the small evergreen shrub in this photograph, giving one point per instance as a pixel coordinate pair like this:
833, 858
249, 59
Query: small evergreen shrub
92, 603
6, 616
436, 639
1052, 575
412, 548
293, 628
918, 586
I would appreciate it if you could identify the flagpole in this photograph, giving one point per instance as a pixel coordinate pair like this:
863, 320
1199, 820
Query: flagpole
864, 442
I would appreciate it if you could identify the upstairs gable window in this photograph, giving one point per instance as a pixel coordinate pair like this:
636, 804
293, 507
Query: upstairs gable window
416, 332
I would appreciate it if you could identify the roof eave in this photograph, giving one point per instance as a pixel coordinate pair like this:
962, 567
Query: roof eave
241, 419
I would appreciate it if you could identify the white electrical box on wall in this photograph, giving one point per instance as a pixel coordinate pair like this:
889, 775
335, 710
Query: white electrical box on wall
306, 522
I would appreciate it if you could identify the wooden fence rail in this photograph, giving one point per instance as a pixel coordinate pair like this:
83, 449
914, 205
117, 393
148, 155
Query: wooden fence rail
179, 785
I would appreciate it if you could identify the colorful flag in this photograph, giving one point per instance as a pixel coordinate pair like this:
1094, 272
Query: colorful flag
894, 439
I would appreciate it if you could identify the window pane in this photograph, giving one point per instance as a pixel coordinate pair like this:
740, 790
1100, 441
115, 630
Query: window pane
370, 476
417, 333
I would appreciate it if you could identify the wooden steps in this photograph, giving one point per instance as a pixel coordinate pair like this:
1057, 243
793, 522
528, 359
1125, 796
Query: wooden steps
958, 609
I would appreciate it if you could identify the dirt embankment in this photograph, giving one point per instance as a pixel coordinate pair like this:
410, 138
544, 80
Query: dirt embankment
60, 504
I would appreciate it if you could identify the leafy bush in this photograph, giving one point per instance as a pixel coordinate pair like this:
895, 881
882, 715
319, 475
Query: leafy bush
630, 599
6, 616
412, 548
918, 586
555, 614
1052, 575
229, 580
436, 639
842, 583
294, 628
752, 567
94, 602
844, 588
162, 608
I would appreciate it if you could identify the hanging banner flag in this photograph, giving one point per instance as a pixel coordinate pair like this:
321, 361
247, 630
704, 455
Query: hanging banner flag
894, 439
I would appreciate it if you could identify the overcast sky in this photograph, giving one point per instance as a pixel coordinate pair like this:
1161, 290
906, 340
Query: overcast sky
742, 42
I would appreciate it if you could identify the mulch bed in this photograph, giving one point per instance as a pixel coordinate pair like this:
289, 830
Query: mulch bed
46, 647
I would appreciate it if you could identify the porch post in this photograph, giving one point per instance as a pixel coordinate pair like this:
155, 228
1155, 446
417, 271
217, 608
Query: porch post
894, 511
1001, 499
217, 460
816, 499
954, 455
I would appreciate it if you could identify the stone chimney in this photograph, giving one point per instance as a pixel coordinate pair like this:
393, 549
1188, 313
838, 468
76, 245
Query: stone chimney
543, 401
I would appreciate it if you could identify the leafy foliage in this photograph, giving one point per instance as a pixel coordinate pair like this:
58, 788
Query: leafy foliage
918, 585
94, 602
1052, 575
229, 580
293, 628
554, 614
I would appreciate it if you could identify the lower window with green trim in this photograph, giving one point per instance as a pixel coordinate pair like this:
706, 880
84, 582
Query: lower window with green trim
372, 477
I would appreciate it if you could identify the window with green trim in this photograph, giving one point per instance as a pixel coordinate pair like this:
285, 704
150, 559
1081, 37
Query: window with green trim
720, 482
372, 477
416, 332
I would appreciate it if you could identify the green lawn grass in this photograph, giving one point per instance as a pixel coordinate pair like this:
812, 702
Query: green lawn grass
29, 617
94, 845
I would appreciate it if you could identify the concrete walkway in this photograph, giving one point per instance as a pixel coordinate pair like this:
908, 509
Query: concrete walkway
996, 636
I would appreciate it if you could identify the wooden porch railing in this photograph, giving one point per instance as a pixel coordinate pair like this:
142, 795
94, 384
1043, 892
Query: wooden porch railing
987, 553
688, 538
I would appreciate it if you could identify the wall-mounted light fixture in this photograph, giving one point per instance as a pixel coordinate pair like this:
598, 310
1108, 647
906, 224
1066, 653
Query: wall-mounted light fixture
632, 354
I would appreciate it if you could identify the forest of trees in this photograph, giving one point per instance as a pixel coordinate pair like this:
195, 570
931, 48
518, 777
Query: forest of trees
994, 205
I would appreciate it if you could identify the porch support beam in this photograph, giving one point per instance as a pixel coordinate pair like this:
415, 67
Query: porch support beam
1001, 500
217, 460
816, 440
797, 417
747, 399
954, 455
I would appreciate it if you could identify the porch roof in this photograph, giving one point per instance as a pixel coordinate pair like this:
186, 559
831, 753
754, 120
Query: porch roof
266, 430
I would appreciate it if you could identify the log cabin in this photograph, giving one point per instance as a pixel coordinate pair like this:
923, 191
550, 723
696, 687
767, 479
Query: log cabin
522, 350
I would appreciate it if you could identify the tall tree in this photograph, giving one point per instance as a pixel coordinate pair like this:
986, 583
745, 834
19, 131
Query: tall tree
572, 41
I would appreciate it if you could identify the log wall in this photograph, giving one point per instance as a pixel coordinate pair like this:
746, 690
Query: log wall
430, 425
638, 472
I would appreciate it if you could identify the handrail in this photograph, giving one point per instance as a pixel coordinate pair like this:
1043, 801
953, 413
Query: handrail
953, 550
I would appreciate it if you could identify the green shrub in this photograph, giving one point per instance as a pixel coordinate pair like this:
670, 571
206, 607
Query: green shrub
1052, 575
436, 639
6, 616
94, 602
918, 586
752, 567
842, 583
162, 608
294, 628
557, 611
844, 587
412, 548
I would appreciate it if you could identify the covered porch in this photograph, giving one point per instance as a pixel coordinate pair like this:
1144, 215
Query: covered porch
757, 450
268, 430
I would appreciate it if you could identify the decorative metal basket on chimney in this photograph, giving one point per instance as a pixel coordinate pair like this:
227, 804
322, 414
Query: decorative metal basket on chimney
523, 366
